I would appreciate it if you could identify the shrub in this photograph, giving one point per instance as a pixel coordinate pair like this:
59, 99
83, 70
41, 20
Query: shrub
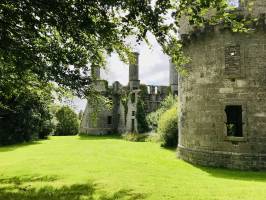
47, 127
135, 137
168, 127
153, 137
153, 118
67, 122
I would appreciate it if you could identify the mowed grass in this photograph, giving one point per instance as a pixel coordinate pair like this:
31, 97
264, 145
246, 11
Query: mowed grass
76, 168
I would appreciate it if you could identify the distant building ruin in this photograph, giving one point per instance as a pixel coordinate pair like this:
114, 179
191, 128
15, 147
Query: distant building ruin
122, 117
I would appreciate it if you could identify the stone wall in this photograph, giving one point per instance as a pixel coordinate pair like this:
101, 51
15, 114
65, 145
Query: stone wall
131, 120
96, 126
122, 121
253, 8
226, 69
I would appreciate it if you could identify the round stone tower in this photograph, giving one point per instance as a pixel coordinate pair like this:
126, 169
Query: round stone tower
222, 100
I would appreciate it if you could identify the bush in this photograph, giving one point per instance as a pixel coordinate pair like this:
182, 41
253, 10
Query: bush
153, 137
154, 117
67, 122
168, 127
135, 137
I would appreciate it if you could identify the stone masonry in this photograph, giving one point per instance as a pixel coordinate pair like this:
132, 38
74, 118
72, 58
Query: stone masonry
222, 100
122, 118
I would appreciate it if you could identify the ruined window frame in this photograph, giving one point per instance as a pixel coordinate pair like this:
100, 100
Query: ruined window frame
244, 122
133, 125
109, 120
233, 63
234, 121
133, 97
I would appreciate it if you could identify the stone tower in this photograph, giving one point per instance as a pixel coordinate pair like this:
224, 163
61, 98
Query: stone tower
222, 119
96, 73
134, 85
173, 78
97, 121
134, 73
131, 120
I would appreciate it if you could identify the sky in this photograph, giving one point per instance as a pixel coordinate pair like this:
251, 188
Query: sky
153, 68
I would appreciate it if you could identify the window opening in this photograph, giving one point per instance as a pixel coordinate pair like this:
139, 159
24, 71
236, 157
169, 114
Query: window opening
133, 97
109, 120
132, 125
234, 122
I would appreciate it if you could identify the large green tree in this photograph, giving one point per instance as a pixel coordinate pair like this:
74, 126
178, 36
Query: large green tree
24, 113
59, 40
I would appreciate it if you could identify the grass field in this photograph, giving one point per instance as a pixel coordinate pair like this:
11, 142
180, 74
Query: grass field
80, 168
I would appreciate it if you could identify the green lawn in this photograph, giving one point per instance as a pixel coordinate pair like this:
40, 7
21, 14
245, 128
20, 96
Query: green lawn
73, 168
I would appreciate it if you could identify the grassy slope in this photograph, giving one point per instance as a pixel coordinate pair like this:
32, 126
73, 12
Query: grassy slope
110, 168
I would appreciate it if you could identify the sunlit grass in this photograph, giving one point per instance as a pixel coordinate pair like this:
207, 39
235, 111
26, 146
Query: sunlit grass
110, 168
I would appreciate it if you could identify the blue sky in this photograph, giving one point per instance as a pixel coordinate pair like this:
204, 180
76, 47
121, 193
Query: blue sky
153, 68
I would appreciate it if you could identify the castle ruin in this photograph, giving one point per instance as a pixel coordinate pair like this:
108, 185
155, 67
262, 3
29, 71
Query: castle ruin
122, 117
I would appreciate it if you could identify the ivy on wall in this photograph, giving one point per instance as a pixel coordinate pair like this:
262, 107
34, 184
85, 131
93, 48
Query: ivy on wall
141, 111
141, 117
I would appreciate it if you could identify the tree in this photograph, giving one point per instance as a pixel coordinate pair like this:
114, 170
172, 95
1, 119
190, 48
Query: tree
46, 37
27, 115
61, 40
67, 121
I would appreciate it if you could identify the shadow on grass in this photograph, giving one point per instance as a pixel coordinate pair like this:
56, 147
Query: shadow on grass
258, 176
17, 188
171, 149
15, 146
99, 137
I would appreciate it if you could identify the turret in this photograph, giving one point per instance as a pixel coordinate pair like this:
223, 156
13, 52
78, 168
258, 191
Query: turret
98, 84
134, 72
173, 78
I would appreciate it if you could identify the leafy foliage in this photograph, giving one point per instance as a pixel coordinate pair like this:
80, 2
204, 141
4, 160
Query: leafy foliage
135, 137
141, 111
67, 121
168, 127
141, 117
61, 40
27, 116
46, 37
153, 118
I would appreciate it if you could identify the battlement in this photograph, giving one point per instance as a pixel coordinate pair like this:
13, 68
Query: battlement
244, 9
122, 118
